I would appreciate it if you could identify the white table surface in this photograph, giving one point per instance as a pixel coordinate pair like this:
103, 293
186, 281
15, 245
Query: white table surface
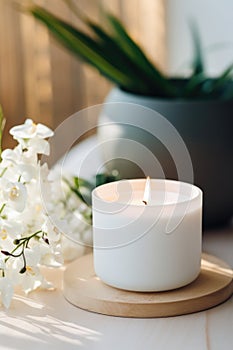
44, 319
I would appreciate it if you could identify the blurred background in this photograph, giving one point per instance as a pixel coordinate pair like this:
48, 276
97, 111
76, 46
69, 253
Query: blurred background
39, 79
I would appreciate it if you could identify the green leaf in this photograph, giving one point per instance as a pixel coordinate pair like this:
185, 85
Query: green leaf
138, 57
200, 86
198, 61
194, 86
224, 78
104, 178
83, 188
110, 48
80, 182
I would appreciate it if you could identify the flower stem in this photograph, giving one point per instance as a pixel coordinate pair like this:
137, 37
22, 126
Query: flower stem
20, 242
27, 238
4, 170
2, 208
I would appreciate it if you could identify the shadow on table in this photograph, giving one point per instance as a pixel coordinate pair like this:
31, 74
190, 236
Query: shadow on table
31, 323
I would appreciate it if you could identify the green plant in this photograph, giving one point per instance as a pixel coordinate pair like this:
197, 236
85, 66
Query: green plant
83, 188
110, 49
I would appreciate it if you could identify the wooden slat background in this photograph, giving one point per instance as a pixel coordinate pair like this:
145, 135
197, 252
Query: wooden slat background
39, 79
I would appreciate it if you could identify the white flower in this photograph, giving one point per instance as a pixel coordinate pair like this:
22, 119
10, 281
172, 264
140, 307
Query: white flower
11, 155
49, 258
51, 230
26, 172
32, 256
6, 244
18, 156
54, 238
10, 228
27, 276
30, 130
39, 146
6, 291
29, 192
15, 193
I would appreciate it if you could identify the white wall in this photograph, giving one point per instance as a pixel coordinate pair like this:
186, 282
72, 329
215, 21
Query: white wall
215, 22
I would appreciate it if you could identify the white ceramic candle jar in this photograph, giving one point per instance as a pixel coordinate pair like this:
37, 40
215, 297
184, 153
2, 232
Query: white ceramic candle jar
147, 247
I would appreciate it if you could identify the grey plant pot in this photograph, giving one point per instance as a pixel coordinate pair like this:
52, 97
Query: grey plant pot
207, 130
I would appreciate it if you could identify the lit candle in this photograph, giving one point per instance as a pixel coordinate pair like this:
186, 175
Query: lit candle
147, 234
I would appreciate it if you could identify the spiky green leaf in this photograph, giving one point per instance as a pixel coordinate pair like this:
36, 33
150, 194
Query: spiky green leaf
198, 60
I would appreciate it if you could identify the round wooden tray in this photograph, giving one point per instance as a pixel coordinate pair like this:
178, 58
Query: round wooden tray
82, 288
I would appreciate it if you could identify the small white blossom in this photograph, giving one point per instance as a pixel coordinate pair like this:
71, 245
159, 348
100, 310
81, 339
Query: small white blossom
48, 258
10, 228
15, 194
51, 230
39, 145
10, 156
26, 172
30, 130
27, 275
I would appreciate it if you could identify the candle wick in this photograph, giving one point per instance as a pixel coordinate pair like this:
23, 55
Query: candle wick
147, 192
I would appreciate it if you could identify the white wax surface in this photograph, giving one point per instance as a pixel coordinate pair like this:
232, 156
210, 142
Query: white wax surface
157, 198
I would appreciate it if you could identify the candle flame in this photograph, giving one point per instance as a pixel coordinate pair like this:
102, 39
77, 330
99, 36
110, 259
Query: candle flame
147, 191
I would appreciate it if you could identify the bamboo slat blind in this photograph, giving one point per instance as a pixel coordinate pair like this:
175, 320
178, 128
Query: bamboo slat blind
39, 79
